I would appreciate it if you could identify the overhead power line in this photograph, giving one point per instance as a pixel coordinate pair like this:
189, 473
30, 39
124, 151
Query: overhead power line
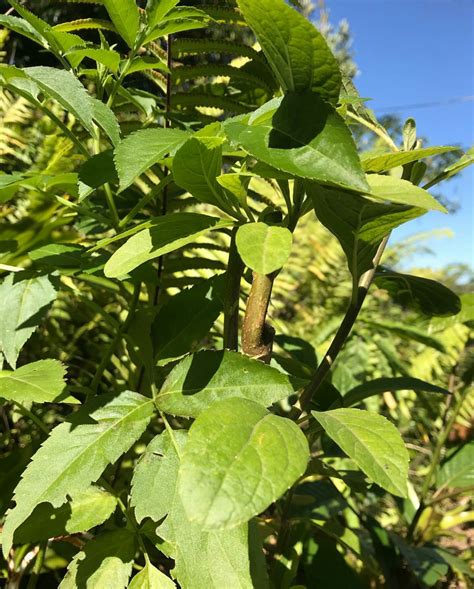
446, 102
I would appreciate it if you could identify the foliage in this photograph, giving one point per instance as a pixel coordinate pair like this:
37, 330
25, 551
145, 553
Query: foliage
198, 391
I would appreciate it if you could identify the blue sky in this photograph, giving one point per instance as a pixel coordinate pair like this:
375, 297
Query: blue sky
421, 51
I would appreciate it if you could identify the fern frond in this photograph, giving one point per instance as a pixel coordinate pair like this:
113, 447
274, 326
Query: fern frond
223, 14
84, 23
183, 73
182, 47
181, 99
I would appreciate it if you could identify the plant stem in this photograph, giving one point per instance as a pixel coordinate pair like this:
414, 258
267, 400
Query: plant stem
27, 413
235, 268
377, 129
35, 573
344, 330
257, 335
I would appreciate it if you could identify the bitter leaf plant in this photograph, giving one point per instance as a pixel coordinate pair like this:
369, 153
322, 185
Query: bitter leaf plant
188, 453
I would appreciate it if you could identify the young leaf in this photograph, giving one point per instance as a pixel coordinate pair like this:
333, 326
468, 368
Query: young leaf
65, 88
157, 9
457, 470
107, 57
151, 578
389, 188
372, 442
105, 561
37, 382
358, 223
126, 18
238, 460
205, 377
303, 136
166, 234
77, 452
105, 118
428, 296
140, 150
264, 248
24, 300
297, 52
154, 477
186, 319
387, 161
82, 512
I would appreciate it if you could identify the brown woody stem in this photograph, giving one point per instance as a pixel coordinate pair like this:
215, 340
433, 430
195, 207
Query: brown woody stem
257, 335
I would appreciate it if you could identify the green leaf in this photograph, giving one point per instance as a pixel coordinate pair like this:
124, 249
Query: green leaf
95, 172
372, 442
380, 385
264, 248
82, 512
167, 234
37, 382
106, 561
24, 300
457, 470
65, 88
77, 452
22, 27
304, 136
107, 57
126, 18
415, 292
387, 161
151, 578
140, 150
297, 52
358, 223
157, 9
425, 562
238, 460
146, 63
205, 377
186, 319
410, 332
154, 477
105, 118
393, 189
57, 255
464, 161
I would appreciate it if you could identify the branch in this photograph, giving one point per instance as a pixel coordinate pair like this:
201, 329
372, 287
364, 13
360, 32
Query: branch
235, 268
257, 335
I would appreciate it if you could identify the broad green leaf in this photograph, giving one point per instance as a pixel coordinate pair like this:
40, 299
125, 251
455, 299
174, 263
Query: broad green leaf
372, 442
105, 118
393, 189
151, 578
206, 377
65, 88
380, 385
167, 234
37, 382
82, 512
107, 57
387, 161
140, 150
264, 248
76, 453
458, 469
186, 319
358, 223
154, 477
304, 136
24, 300
106, 561
238, 460
297, 52
125, 16
57, 255
196, 166
465, 315
428, 296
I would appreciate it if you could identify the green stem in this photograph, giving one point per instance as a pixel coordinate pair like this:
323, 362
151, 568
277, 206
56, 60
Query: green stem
35, 573
377, 129
257, 335
30, 415
112, 208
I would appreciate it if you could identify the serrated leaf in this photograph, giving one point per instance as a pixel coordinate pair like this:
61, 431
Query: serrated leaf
358, 223
146, 63
105, 561
151, 578
372, 442
76, 453
259, 457
37, 382
387, 161
95, 172
166, 234
297, 52
157, 9
264, 248
22, 27
65, 88
389, 188
186, 319
458, 469
57, 255
107, 57
302, 135
125, 16
380, 385
140, 150
422, 294
82, 512
23, 303
206, 377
